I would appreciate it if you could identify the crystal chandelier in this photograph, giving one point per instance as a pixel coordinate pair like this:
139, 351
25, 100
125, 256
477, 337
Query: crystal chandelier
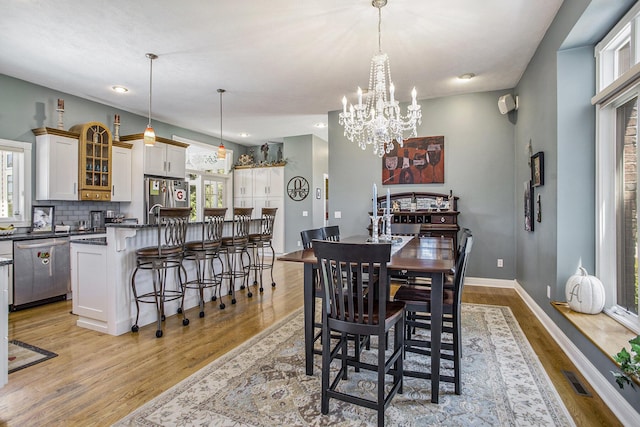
377, 121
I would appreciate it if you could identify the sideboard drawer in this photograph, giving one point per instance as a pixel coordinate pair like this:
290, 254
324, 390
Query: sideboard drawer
443, 219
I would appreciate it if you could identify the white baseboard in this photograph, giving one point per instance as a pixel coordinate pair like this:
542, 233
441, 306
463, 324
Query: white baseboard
626, 413
493, 283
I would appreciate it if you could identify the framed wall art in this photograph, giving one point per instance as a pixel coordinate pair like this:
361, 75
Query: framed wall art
537, 169
419, 161
42, 218
528, 206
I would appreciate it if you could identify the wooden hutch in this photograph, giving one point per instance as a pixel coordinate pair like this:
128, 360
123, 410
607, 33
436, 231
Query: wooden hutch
435, 219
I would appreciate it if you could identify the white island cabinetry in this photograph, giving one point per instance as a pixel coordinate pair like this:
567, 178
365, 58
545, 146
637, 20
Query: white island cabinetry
4, 320
89, 283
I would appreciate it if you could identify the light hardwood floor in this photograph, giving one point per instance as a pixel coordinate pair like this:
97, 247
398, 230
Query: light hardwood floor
98, 379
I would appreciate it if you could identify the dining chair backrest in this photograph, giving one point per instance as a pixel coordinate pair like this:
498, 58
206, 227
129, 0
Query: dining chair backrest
308, 236
172, 229
463, 234
332, 233
342, 269
405, 229
213, 224
461, 266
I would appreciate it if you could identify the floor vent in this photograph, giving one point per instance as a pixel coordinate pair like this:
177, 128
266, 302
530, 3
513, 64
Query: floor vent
576, 384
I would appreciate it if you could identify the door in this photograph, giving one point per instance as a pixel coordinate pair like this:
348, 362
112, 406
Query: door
120, 174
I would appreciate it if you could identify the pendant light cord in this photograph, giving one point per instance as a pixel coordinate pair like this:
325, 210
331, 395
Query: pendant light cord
221, 91
151, 57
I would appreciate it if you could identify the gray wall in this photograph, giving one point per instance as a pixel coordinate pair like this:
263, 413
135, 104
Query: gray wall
25, 106
298, 152
556, 115
479, 154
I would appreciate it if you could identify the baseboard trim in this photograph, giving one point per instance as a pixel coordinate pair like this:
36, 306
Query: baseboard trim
626, 413
492, 283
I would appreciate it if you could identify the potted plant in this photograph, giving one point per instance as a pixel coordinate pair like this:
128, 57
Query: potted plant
629, 362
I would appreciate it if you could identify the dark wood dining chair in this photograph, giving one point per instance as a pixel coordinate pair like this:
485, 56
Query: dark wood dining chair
349, 310
332, 233
308, 236
418, 309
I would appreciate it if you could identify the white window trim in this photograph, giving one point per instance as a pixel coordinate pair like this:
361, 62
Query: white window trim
25, 184
612, 93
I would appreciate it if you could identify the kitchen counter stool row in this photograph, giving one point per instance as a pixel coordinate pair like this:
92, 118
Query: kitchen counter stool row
243, 253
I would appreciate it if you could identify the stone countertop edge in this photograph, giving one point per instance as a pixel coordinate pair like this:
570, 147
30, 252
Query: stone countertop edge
99, 241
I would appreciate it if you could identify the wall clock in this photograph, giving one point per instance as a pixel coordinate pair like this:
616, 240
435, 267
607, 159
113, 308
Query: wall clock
298, 188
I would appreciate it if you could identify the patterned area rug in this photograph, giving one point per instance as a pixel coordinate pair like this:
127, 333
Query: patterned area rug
23, 355
263, 383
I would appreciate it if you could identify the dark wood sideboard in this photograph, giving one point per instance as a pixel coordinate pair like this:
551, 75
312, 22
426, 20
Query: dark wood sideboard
434, 221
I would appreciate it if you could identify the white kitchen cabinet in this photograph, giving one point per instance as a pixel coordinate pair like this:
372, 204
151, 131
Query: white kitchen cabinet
165, 160
268, 182
243, 183
89, 285
121, 172
262, 188
56, 164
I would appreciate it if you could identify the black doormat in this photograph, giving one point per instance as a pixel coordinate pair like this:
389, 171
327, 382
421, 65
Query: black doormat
22, 355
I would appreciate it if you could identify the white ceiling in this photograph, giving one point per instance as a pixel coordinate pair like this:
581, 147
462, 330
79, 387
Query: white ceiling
284, 63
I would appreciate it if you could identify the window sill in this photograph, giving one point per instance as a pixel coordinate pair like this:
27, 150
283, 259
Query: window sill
604, 332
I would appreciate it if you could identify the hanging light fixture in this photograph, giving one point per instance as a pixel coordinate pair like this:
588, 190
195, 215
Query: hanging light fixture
149, 133
222, 152
378, 121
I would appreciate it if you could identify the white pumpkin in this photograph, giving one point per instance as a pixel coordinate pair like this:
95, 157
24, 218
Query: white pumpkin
585, 293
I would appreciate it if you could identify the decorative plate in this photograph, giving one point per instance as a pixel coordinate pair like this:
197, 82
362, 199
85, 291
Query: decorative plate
245, 160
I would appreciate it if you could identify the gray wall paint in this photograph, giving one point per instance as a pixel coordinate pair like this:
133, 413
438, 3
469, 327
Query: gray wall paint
320, 159
298, 152
25, 106
556, 115
479, 154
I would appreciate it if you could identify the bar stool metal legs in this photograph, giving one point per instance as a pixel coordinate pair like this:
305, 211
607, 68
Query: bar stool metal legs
234, 248
259, 243
204, 252
166, 256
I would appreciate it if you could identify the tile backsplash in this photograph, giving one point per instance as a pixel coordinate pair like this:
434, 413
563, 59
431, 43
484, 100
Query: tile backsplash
70, 212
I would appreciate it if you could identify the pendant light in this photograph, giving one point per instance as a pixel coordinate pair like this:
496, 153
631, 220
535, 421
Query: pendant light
222, 152
149, 133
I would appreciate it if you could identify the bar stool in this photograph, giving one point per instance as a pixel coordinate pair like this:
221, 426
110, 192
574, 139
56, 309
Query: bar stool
166, 255
203, 252
260, 241
234, 247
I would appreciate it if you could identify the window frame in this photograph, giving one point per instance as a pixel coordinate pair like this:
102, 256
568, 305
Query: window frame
614, 89
21, 181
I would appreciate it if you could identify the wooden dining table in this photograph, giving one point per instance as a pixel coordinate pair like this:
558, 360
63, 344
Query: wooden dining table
430, 257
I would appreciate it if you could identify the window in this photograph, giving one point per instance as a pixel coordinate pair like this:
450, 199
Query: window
617, 192
15, 182
209, 177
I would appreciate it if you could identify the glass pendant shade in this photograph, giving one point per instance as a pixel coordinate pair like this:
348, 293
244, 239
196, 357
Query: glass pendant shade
222, 152
149, 133
149, 136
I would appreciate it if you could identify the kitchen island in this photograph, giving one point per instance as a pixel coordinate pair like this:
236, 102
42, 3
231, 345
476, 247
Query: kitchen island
101, 272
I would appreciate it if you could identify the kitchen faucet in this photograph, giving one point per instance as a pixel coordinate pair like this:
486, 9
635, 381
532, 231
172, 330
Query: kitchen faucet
157, 205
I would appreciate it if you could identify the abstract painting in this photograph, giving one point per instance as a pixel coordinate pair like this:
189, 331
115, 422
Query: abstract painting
419, 161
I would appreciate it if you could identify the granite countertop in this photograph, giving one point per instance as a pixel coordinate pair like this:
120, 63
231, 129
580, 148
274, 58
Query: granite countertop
33, 236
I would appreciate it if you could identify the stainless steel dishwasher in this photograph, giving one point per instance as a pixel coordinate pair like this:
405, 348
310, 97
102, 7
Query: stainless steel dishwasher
41, 271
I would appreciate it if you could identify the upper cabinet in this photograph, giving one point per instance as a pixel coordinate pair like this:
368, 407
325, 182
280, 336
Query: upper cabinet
94, 168
121, 172
165, 159
56, 164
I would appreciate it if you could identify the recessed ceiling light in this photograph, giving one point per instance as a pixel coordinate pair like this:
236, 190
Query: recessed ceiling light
244, 135
320, 125
466, 76
119, 89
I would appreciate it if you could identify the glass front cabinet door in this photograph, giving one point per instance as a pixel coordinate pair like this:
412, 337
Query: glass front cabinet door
94, 168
